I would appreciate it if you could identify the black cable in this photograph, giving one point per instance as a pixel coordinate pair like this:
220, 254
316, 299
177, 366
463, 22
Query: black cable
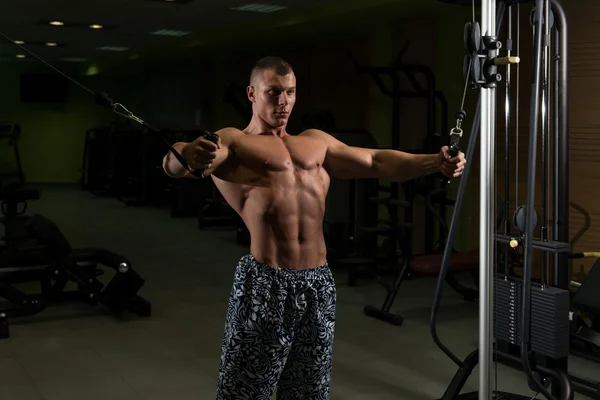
533, 130
103, 99
444, 267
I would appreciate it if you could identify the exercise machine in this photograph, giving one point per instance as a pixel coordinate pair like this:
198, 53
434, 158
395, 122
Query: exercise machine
125, 163
34, 250
425, 265
13, 176
422, 82
398, 229
348, 212
585, 317
522, 323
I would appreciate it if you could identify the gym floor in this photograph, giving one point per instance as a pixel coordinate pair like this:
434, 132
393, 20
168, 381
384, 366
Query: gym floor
74, 351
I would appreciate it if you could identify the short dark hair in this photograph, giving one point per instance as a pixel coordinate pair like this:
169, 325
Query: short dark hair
272, 63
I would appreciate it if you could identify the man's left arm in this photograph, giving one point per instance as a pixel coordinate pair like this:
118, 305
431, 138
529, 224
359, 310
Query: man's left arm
348, 162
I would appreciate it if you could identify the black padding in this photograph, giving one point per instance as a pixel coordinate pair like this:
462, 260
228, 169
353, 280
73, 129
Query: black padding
587, 297
47, 233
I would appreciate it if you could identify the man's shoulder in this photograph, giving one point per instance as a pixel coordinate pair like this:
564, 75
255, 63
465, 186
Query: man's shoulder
328, 139
229, 131
316, 133
229, 135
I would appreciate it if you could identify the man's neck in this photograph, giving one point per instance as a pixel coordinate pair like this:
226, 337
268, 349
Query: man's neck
259, 127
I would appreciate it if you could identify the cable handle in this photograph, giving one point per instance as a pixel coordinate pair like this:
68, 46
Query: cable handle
211, 137
456, 134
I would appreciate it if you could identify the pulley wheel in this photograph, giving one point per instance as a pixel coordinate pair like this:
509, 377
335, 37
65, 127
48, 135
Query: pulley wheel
472, 37
476, 36
519, 220
532, 19
472, 68
466, 70
467, 37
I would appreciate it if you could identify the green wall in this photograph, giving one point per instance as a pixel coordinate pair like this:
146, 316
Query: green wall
52, 135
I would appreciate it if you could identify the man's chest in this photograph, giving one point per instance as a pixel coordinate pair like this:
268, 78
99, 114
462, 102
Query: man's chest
282, 154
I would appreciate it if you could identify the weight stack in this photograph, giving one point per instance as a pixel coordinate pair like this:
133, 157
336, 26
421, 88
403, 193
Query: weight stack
550, 329
507, 309
549, 320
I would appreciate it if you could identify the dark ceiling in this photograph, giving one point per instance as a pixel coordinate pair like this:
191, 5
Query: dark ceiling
130, 29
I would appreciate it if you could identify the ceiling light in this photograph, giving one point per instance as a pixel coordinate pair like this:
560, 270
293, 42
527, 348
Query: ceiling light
169, 32
20, 55
51, 44
113, 48
19, 42
258, 7
76, 24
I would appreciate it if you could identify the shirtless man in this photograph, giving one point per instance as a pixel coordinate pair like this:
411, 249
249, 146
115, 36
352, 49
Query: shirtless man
280, 321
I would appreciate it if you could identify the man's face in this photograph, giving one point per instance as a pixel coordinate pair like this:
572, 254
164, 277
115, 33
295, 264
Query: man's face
273, 97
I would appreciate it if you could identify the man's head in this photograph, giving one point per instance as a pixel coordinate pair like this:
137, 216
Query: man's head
272, 91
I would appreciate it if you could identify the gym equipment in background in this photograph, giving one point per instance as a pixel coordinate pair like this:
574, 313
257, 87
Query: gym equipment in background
187, 195
126, 163
236, 95
36, 251
10, 175
350, 214
585, 318
421, 85
426, 265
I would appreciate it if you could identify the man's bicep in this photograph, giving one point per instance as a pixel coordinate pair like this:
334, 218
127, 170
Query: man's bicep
343, 161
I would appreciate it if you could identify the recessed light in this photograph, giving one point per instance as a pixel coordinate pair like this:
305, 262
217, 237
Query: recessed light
20, 55
258, 7
51, 44
19, 42
77, 24
113, 48
169, 32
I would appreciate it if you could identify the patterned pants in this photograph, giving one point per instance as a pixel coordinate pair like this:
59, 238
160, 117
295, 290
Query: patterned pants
279, 332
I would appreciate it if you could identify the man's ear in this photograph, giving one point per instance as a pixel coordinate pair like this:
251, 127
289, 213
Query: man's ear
251, 93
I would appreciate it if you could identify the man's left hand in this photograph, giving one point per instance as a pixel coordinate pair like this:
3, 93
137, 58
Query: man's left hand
451, 167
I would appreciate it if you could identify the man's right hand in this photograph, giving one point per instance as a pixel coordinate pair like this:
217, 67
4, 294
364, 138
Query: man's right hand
200, 153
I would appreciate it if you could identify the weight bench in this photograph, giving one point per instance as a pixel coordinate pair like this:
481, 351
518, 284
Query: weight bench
587, 299
35, 250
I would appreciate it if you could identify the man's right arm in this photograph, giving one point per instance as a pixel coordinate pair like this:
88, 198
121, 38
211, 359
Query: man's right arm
201, 154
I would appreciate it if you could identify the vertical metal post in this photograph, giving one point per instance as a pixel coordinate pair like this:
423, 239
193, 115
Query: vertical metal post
561, 147
486, 222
